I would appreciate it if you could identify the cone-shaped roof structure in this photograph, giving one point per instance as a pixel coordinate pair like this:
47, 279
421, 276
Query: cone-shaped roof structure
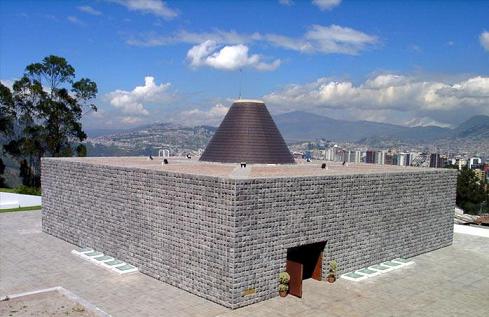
248, 134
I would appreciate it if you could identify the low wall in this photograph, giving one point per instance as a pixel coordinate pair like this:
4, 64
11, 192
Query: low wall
12, 200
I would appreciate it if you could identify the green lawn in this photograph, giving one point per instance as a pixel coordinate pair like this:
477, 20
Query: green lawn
8, 190
21, 209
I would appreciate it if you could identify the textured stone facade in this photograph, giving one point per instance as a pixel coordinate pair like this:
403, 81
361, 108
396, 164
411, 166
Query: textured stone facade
226, 239
364, 220
173, 227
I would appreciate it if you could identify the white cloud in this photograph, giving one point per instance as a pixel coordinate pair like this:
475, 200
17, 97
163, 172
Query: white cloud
218, 36
213, 116
99, 114
89, 10
484, 40
385, 92
133, 102
334, 39
131, 120
8, 82
286, 2
233, 57
317, 39
155, 7
75, 20
326, 4
426, 122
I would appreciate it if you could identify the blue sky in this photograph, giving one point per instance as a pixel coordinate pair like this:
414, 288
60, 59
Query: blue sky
414, 63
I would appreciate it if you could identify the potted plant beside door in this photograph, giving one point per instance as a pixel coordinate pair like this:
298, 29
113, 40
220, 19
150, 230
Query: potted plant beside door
283, 287
332, 272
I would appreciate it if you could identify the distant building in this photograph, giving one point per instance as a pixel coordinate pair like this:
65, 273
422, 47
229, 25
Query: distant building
330, 154
380, 157
480, 174
409, 158
485, 168
459, 162
437, 161
474, 161
389, 159
370, 158
298, 155
354, 156
403, 159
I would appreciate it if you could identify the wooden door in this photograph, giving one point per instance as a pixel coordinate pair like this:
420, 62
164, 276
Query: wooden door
318, 268
295, 270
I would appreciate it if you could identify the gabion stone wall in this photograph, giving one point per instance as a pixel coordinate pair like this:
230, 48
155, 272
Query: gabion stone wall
176, 228
364, 220
226, 239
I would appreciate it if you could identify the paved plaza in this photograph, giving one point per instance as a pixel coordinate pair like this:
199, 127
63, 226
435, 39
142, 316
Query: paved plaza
453, 281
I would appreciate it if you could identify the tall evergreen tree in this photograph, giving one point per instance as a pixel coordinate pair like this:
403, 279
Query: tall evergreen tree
7, 118
49, 105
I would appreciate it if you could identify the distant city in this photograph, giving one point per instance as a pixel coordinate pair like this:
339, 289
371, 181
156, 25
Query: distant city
468, 145
330, 151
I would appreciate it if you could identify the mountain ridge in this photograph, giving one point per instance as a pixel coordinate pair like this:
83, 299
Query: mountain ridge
299, 126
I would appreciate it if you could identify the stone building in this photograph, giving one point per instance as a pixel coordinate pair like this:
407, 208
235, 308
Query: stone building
225, 226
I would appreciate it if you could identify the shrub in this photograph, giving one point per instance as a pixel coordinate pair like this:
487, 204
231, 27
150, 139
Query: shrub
332, 267
28, 190
284, 278
283, 287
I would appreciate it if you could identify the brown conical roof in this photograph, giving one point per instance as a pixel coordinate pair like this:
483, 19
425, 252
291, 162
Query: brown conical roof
248, 134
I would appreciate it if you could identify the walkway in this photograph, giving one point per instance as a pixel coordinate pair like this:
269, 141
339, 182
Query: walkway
452, 281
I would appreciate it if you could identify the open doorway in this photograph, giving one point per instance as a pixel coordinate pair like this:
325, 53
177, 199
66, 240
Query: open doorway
304, 262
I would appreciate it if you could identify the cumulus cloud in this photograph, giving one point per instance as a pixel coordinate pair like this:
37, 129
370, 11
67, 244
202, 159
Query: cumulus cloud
484, 40
89, 10
155, 7
232, 57
317, 39
386, 92
133, 102
326, 4
212, 116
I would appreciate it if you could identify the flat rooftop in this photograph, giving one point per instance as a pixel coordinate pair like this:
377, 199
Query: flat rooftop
233, 170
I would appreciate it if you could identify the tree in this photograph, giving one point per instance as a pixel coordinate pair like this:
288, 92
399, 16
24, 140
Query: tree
48, 104
2, 170
471, 191
7, 118
7, 114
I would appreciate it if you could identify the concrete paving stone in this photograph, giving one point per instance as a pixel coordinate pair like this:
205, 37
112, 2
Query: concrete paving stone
419, 290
